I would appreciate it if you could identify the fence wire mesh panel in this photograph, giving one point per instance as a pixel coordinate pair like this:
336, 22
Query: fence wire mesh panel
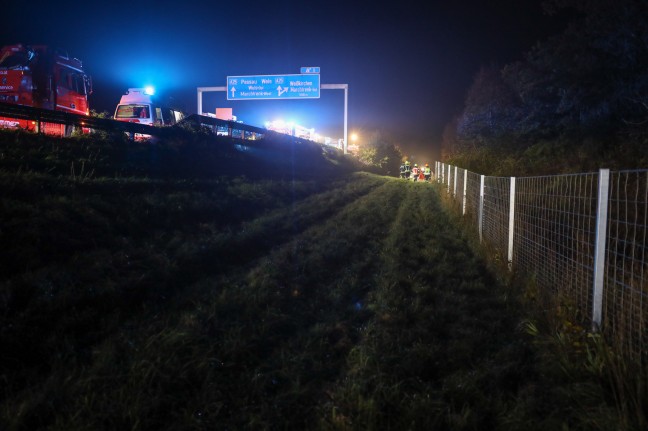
554, 241
496, 213
625, 301
555, 228
458, 195
472, 197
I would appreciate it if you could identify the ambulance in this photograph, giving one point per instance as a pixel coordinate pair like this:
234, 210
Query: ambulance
139, 105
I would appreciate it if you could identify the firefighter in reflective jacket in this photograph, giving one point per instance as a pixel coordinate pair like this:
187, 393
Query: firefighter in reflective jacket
405, 169
427, 172
415, 172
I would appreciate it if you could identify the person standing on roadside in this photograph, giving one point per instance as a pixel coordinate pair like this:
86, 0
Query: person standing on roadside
427, 172
415, 172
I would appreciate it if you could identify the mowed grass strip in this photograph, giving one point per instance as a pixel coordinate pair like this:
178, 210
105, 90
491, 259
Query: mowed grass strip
97, 213
217, 247
251, 349
69, 312
440, 350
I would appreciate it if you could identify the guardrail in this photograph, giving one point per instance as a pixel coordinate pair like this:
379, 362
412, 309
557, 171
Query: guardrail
39, 116
580, 237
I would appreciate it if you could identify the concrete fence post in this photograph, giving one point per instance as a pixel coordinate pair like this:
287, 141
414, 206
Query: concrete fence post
455, 182
599, 253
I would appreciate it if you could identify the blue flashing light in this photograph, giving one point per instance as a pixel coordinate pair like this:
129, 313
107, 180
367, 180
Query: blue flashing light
149, 90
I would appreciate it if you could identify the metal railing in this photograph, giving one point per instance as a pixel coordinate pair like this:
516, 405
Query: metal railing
583, 237
229, 128
40, 116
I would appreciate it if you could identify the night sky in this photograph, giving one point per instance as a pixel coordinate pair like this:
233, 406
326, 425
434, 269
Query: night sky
408, 66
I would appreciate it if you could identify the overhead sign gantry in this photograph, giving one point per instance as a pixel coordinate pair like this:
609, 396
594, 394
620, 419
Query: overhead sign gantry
304, 86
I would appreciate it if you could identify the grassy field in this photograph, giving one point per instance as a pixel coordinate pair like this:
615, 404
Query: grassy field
195, 286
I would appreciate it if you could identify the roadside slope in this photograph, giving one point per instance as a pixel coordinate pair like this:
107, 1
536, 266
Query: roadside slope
295, 298
354, 307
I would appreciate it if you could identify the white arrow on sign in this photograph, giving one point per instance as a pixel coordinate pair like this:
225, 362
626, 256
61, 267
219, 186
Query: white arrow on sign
233, 91
281, 90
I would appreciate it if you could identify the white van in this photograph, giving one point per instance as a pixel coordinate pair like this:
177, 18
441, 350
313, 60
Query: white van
138, 105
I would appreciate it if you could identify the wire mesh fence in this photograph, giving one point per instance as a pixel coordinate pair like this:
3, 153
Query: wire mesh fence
495, 219
554, 235
551, 228
472, 196
625, 301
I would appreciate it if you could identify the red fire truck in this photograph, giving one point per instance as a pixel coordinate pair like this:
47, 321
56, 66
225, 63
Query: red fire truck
45, 78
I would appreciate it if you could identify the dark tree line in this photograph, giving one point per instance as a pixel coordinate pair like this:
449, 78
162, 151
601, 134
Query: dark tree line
588, 84
380, 154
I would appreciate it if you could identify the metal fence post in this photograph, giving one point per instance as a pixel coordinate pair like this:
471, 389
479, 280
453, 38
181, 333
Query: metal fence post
599, 254
511, 223
481, 208
455, 183
464, 192
449, 177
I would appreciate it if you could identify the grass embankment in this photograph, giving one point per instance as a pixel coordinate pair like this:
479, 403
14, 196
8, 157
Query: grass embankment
300, 296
